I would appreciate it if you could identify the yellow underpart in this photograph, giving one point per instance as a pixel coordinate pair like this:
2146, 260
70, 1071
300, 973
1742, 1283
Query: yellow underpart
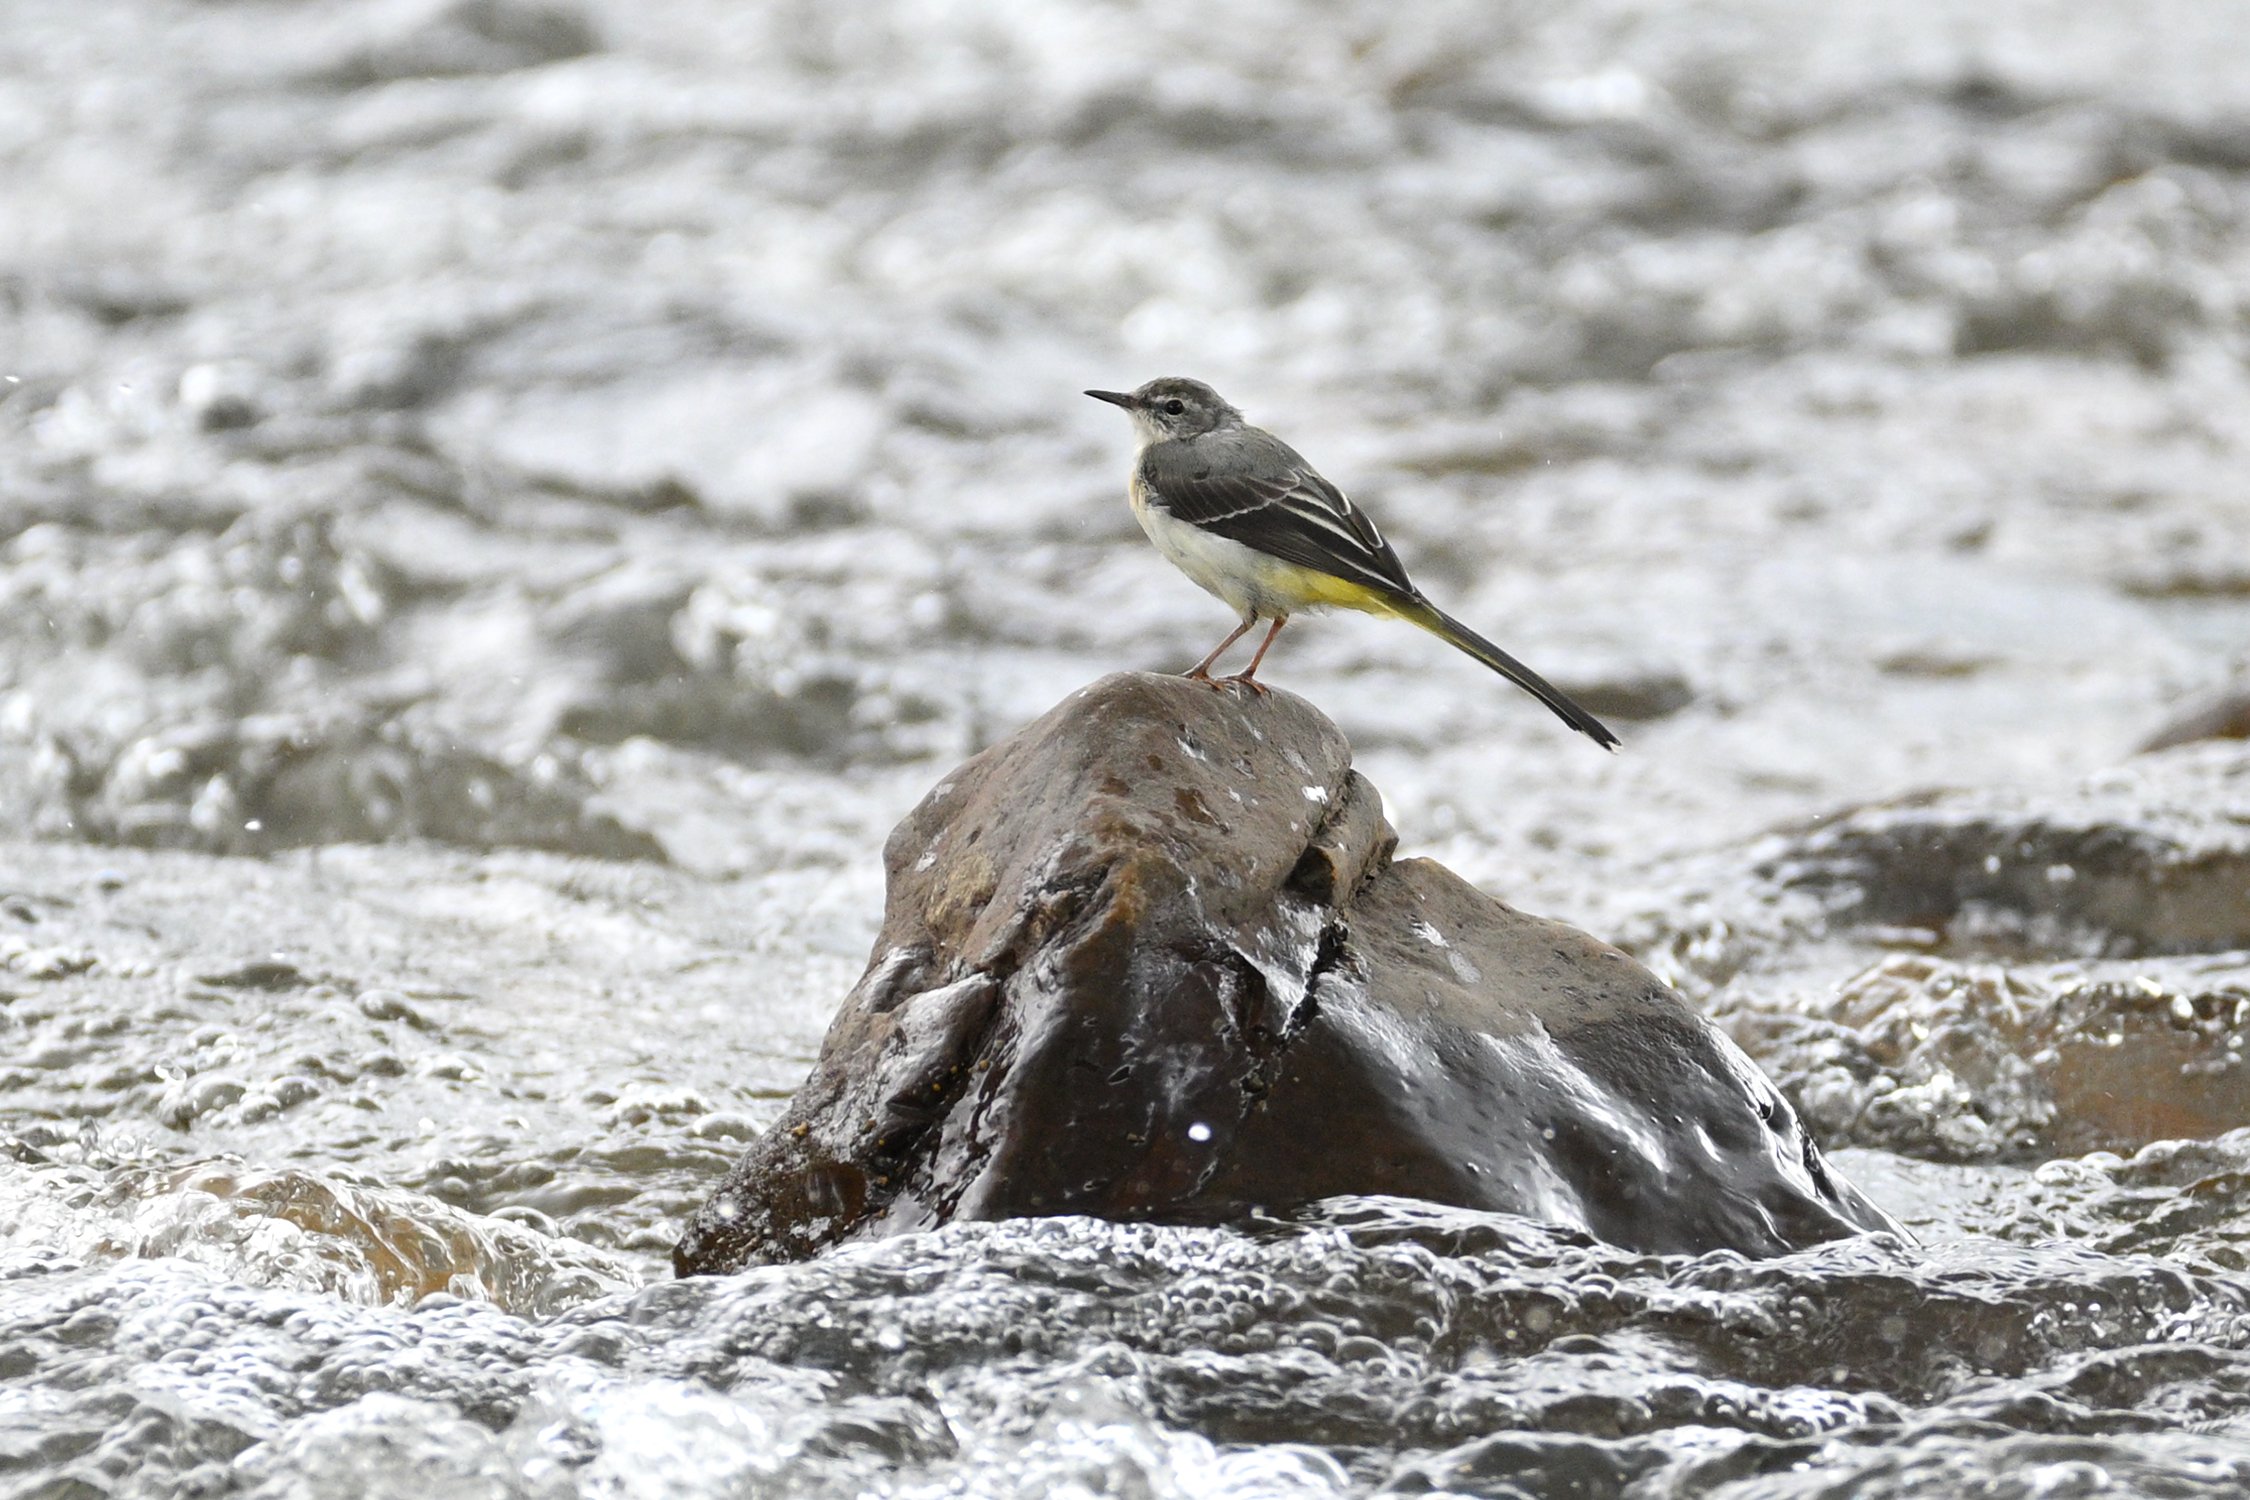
1315, 590
1255, 584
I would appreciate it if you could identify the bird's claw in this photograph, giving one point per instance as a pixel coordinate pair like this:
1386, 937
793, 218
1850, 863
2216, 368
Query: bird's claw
1256, 687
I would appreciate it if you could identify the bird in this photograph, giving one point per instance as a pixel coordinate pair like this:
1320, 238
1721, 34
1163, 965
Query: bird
1248, 519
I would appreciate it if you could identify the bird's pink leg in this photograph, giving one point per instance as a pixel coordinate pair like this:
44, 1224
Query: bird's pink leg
1248, 676
1201, 671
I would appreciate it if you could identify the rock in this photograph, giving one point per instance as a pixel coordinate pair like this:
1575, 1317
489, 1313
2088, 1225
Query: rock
1994, 974
281, 782
1151, 958
1977, 1062
290, 1227
2224, 716
2152, 856
452, 39
1642, 692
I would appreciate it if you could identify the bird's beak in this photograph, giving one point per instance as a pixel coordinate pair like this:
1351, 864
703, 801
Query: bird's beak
1114, 398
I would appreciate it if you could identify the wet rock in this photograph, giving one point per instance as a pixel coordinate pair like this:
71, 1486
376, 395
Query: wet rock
1151, 957
2225, 716
2150, 857
750, 675
280, 782
1991, 975
1643, 692
1949, 1061
287, 1227
457, 38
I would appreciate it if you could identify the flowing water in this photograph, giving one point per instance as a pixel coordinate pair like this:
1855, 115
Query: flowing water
504, 502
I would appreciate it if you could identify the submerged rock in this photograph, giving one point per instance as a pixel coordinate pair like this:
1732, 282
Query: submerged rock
2222, 716
1952, 1061
1151, 958
290, 1227
2149, 857
279, 782
1990, 974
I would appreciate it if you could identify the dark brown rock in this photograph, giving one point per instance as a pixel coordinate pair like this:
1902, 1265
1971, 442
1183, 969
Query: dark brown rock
1151, 958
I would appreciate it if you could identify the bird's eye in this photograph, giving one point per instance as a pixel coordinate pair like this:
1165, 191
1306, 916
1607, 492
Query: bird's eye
1175, 406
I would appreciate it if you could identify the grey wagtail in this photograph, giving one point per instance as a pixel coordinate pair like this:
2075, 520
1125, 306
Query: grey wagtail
1243, 515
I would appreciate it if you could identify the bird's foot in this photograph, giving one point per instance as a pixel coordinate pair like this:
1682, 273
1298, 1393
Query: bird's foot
1198, 674
1244, 679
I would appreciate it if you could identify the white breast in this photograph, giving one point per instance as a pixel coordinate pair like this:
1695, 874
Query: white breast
1247, 580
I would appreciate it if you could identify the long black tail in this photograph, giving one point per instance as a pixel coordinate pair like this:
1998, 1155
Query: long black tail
1442, 625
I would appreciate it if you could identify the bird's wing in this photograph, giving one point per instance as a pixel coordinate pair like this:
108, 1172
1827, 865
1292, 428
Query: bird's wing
1253, 488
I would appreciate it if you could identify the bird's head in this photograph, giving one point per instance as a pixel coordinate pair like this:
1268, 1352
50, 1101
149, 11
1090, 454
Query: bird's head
1173, 407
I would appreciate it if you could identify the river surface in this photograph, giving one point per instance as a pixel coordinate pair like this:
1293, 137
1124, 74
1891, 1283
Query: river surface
503, 504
